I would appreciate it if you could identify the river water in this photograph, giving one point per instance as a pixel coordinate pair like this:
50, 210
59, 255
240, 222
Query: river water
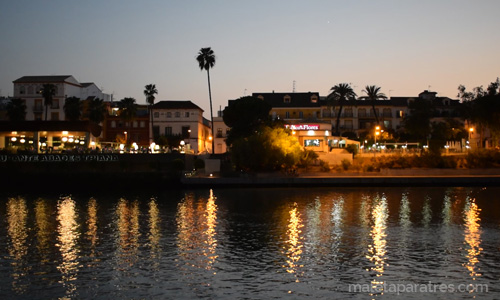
308, 243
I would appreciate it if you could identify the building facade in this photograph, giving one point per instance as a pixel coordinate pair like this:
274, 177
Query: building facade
185, 120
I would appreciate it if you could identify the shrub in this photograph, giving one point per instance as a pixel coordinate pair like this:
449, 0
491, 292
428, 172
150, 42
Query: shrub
352, 148
325, 167
199, 164
345, 164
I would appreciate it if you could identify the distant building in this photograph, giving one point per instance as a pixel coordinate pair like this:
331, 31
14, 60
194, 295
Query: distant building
116, 130
221, 131
185, 120
28, 88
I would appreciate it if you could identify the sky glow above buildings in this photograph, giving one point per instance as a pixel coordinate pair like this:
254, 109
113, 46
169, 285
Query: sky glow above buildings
403, 46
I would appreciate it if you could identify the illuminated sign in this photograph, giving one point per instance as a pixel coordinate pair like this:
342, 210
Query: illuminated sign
303, 126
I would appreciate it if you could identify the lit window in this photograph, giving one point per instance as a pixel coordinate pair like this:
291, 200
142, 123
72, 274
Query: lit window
286, 99
314, 99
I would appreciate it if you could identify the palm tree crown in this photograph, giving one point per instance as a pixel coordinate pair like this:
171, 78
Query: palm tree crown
96, 110
341, 93
73, 108
206, 61
128, 108
373, 94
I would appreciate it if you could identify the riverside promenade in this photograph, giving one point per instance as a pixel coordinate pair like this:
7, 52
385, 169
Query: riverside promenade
405, 177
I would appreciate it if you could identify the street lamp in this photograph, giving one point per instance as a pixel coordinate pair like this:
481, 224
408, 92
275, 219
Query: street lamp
377, 132
471, 130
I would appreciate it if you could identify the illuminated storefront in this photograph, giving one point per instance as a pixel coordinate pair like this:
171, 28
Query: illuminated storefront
317, 136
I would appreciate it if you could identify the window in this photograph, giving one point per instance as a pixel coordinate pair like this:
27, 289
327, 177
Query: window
219, 132
113, 124
301, 114
142, 124
401, 114
186, 114
156, 115
287, 114
286, 99
38, 116
54, 116
186, 132
135, 124
22, 90
169, 114
314, 99
30, 90
362, 112
312, 143
38, 105
55, 104
168, 130
177, 114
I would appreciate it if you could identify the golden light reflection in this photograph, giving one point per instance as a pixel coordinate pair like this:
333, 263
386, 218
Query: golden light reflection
210, 233
128, 232
364, 211
472, 236
67, 243
426, 212
294, 242
377, 250
17, 214
404, 212
337, 219
446, 213
92, 225
154, 228
197, 231
43, 229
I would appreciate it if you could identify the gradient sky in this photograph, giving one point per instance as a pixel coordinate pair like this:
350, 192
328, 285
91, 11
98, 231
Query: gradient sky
261, 45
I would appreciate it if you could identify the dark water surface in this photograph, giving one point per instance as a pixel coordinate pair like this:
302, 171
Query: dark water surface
317, 243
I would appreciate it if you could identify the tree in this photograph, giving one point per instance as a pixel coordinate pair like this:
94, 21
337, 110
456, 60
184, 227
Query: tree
96, 110
417, 122
16, 110
128, 108
73, 108
206, 61
266, 150
48, 92
341, 93
244, 116
373, 94
150, 91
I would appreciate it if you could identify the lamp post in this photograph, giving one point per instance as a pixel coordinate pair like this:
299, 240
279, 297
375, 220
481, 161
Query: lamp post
471, 130
377, 132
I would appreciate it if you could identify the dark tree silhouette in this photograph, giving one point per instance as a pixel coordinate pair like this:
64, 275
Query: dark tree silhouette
341, 93
73, 108
48, 92
373, 94
150, 91
16, 110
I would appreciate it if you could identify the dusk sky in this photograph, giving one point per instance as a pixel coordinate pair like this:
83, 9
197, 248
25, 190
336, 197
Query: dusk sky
403, 46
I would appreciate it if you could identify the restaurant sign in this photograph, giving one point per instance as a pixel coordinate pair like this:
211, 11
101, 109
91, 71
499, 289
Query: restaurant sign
303, 126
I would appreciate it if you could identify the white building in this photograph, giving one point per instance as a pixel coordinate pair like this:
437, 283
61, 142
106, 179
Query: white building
185, 119
28, 88
221, 131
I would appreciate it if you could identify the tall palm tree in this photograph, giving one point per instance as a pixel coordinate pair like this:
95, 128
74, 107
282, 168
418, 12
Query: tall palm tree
96, 110
150, 91
73, 108
16, 110
373, 94
48, 92
341, 93
206, 61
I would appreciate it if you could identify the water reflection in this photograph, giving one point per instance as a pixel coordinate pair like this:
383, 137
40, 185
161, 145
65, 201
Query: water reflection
294, 242
197, 234
377, 250
17, 215
426, 212
472, 236
92, 225
67, 243
43, 229
127, 213
337, 230
154, 232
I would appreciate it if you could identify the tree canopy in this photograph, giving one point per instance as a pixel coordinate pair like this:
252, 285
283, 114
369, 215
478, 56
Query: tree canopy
16, 110
73, 108
245, 115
